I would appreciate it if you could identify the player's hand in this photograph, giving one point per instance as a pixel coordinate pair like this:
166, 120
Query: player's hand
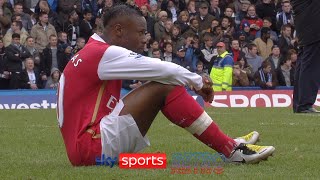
206, 91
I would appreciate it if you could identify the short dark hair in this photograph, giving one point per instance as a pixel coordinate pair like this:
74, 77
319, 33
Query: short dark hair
29, 37
42, 13
285, 26
86, 11
15, 35
14, 16
18, 4
120, 10
18, 23
268, 19
251, 45
265, 64
155, 50
52, 35
193, 19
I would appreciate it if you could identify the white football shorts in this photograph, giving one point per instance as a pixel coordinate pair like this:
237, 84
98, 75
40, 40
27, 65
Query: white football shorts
120, 134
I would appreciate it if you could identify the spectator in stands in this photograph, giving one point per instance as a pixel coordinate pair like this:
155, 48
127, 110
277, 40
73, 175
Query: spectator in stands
63, 41
247, 31
215, 9
264, 44
177, 40
217, 35
242, 13
33, 51
91, 5
239, 78
243, 42
285, 16
193, 29
66, 7
153, 45
16, 27
159, 29
172, 10
30, 77
265, 77
150, 20
227, 26
208, 52
53, 80
182, 21
168, 26
51, 58
275, 57
156, 53
42, 31
253, 59
229, 12
72, 28
106, 5
199, 69
267, 9
244, 66
236, 51
167, 54
285, 72
34, 18
181, 60
80, 44
214, 23
267, 22
293, 57
4, 73
204, 18
286, 41
221, 72
85, 25
154, 9
16, 55
25, 18
5, 17
191, 9
253, 20
43, 6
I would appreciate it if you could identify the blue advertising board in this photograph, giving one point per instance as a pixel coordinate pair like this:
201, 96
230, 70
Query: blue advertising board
42, 99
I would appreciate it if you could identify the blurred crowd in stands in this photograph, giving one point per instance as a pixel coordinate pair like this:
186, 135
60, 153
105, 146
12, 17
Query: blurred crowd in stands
235, 42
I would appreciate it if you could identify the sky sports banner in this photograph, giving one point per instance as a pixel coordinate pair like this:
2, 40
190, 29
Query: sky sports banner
46, 99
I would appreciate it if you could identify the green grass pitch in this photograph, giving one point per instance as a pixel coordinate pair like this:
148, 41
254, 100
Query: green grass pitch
31, 146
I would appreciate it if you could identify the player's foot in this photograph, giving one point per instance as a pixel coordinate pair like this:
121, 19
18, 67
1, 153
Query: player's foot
309, 110
250, 138
248, 153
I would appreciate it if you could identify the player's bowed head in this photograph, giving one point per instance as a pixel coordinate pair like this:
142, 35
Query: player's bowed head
125, 26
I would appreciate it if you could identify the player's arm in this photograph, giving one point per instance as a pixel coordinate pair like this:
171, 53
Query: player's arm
120, 63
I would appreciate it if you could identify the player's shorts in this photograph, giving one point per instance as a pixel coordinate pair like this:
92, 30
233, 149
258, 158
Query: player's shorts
120, 134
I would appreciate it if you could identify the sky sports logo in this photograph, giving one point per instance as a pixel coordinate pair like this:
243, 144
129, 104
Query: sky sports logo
181, 163
143, 161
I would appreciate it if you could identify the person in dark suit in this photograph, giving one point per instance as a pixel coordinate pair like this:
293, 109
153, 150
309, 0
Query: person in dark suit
307, 69
16, 55
30, 78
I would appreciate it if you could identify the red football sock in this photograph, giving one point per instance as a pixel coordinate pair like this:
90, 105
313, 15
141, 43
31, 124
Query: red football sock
181, 109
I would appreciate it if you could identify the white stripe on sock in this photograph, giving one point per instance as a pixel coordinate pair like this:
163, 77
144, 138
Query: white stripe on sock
200, 125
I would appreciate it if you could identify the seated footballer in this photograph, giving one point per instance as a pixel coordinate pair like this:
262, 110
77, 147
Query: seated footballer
94, 120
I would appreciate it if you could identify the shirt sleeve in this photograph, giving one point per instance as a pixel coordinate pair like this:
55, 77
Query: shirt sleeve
120, 63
